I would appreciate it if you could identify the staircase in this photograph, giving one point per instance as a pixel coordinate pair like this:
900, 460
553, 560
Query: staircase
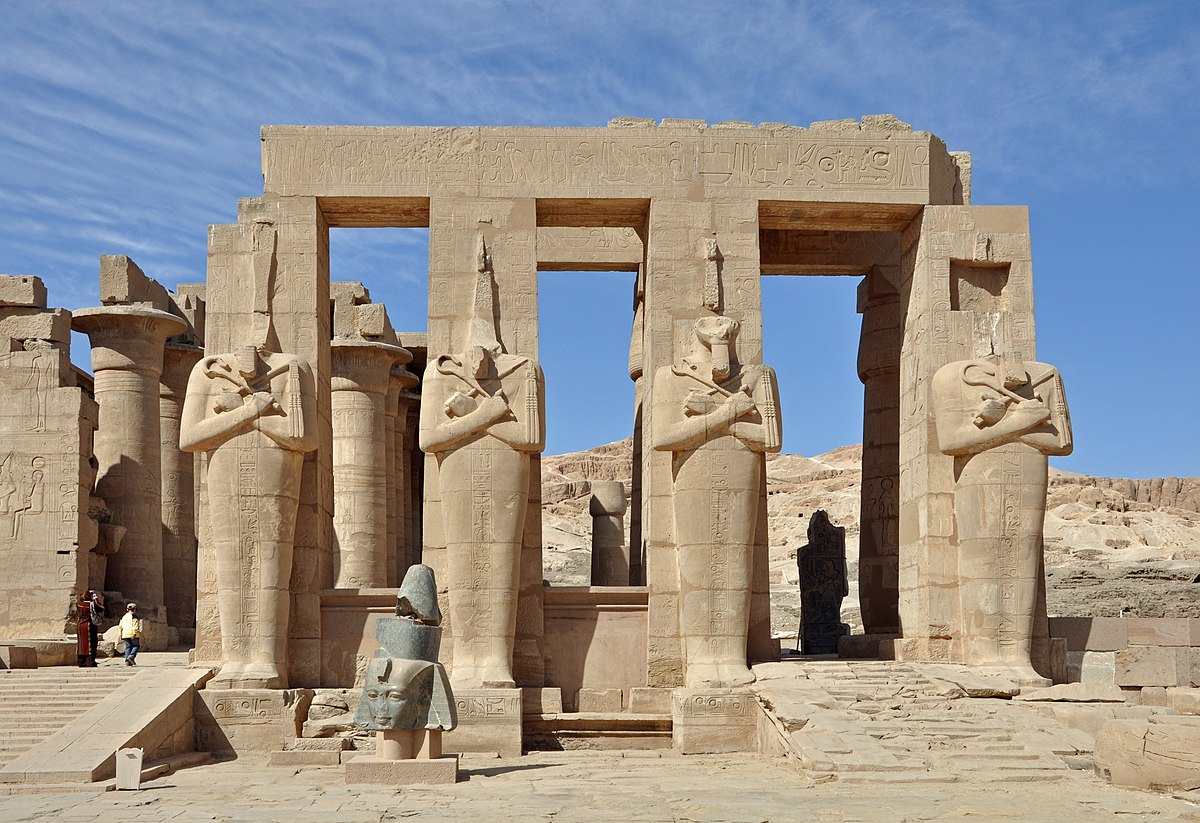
886, 722
36, 703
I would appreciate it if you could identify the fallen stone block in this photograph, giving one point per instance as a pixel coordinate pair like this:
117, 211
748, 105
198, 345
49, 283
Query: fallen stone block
1161, 753
1075, 693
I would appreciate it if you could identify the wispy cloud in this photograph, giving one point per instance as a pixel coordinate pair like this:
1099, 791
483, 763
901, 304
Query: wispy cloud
130, 128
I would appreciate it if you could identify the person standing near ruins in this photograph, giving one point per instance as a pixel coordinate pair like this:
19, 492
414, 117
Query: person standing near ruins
718, 418
131, 633
482, 418
253, 412
88, 608
1000, 418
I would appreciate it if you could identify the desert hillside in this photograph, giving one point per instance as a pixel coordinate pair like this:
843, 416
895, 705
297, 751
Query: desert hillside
1112, 545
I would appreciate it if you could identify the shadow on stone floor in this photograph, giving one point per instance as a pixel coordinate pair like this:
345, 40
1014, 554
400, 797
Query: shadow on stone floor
498, 770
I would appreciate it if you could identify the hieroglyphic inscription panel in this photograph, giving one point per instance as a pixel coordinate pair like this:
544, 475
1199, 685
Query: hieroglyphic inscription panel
787, 163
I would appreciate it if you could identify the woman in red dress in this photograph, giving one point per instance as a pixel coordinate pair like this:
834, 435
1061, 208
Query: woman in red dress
86, 630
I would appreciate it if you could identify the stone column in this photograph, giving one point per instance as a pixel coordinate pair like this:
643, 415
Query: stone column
399, 498
360, 372
127, 358
394, 544
405, 544
610, 552
879, 370
178, 488
414, 462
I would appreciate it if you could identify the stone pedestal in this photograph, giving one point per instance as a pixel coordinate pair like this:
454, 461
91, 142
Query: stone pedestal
127, 358
610, 551
402, 772
249, 720
360, 464
178, 488
489, 720
710, 721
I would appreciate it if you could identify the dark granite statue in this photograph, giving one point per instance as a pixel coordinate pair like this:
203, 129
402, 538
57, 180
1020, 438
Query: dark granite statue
822, 565
406, 687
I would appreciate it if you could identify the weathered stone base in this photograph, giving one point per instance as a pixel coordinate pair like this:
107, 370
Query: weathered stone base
18, 657
305, 757
862, 646
708, 721
1155, 753
402, 772
489, 720
248, 720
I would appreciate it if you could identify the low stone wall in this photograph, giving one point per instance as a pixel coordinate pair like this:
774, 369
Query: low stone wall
1135, 653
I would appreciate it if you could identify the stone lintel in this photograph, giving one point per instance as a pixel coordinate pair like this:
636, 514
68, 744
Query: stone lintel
341, 164
564, 248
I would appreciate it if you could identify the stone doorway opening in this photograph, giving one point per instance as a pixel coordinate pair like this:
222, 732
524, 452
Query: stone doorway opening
810, 338
585, 318
379, 296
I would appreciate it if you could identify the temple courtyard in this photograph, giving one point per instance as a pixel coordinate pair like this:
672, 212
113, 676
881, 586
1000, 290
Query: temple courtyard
594, 786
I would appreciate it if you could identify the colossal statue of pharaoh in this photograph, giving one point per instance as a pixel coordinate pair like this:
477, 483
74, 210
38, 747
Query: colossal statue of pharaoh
482, 417
253, 411
1000, 418
718, 418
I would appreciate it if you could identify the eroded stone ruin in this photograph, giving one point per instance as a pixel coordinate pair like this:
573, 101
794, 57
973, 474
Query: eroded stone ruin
325, 467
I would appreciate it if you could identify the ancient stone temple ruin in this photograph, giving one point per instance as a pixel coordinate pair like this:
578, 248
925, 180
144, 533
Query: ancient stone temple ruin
277, 456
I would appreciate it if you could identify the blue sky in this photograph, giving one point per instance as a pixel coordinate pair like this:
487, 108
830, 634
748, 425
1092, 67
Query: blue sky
129, 127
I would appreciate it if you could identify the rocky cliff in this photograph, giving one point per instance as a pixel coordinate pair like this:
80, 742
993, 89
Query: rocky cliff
1113, 545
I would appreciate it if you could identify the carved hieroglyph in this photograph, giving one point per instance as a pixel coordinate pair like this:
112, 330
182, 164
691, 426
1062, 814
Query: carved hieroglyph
1000, 418
718, 418
253, 412
482, 416
46, 427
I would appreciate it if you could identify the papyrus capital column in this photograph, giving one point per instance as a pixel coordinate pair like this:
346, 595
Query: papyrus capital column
178, 487
127, 358
360, 378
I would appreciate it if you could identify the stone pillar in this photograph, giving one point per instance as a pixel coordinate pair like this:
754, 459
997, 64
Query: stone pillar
359, 384
127, 358
414, 464
178, 488
404, 546
394, 544
610, 551
879, 370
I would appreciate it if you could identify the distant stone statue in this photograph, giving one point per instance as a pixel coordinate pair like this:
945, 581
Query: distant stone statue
823, 585
610, 550
1000, 418
254, 411
482, 417
718, 418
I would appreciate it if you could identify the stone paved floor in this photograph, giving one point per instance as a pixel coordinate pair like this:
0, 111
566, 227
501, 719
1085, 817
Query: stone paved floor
594, 786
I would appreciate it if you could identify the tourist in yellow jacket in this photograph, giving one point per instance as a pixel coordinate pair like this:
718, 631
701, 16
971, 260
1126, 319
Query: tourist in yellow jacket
131, 633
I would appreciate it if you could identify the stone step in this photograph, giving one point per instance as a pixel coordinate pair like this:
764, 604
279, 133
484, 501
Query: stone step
596, 730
